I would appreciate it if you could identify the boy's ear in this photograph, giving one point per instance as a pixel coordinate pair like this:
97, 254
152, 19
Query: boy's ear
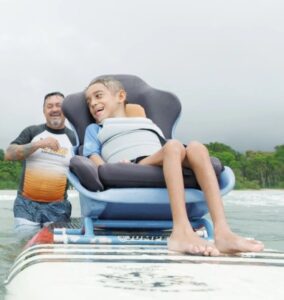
122, 96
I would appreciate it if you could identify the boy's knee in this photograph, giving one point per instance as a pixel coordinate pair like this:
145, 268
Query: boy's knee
196, 150
196, 147
174, 146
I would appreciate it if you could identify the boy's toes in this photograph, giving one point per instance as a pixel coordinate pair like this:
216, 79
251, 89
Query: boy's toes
192, 249
215, 252
257, 245
211, 251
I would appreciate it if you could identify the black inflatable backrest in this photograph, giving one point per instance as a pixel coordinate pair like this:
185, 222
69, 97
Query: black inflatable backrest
160, 106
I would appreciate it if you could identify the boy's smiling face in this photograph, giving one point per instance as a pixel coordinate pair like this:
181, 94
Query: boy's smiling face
104, 103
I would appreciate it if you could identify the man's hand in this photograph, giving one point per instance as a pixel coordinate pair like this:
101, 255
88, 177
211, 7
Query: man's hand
49, 142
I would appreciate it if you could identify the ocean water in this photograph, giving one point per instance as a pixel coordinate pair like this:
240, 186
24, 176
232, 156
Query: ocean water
258, 214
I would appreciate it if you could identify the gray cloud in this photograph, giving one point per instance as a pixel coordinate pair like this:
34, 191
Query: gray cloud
224, 60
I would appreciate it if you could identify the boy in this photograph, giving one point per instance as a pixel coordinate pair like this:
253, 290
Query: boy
106, 100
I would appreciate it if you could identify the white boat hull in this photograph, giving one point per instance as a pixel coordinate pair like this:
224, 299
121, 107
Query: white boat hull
141, 272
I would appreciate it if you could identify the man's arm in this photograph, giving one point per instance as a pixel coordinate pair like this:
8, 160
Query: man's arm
21, 152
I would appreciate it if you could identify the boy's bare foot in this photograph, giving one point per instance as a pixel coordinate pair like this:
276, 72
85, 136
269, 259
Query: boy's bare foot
191, 243
228, 242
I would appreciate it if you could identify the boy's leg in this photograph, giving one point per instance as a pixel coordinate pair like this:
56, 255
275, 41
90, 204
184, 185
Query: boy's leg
197, 158
183, 238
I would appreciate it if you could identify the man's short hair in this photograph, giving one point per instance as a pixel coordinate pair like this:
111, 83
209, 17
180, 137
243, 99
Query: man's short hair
52, 94
109, 82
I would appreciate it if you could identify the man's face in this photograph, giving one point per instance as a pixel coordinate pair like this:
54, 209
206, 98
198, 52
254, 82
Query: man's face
53, 113
102, 102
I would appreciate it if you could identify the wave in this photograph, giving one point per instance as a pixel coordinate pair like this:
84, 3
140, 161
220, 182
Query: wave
269, 198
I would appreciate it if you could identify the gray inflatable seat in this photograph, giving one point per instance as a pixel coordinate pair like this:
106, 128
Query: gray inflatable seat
162, 107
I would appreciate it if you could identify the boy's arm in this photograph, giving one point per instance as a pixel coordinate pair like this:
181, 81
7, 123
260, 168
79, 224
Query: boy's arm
97, 160
92, 145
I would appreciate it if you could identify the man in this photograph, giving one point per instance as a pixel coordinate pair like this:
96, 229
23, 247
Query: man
45, 150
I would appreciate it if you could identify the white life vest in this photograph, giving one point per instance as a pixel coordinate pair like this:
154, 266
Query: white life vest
128, 138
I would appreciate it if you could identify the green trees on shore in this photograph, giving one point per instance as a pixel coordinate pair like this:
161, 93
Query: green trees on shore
9, 173
253, 169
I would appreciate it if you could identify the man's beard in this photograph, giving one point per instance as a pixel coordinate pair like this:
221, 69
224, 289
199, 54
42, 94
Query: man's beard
56, 122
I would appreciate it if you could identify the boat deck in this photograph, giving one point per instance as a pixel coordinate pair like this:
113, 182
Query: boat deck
146, 272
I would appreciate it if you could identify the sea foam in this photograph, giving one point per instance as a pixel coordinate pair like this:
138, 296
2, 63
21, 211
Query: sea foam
269, 198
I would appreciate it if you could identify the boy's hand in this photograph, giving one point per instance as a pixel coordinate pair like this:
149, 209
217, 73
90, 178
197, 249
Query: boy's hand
125, 161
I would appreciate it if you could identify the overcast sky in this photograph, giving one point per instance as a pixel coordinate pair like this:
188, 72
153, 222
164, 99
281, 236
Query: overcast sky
223, 59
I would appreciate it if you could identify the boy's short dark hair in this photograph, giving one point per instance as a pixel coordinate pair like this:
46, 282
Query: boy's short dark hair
109, 82
52, 94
